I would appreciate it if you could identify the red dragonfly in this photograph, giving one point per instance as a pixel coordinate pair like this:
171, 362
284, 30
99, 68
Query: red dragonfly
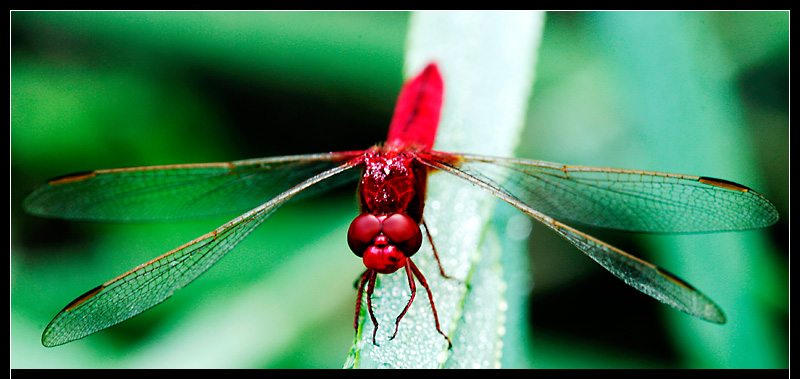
387, 233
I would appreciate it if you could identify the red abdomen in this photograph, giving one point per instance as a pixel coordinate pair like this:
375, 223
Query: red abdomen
416, 115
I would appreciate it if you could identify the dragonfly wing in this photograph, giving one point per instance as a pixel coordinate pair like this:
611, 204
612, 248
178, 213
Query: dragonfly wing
644, 276
175, 191
153, 282
637, 201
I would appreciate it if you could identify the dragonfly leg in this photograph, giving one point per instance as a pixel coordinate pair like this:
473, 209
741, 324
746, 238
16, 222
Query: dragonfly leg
413, 287
360, 283
435, 255
372, 275
424, 283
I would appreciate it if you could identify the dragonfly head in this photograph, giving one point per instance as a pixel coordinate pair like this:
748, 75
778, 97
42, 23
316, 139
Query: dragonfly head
385, 241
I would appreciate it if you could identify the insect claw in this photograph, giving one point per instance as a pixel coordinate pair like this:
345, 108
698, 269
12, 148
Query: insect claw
396, 326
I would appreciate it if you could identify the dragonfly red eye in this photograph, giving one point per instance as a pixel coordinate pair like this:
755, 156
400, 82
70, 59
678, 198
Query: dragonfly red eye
404, 232
363, 230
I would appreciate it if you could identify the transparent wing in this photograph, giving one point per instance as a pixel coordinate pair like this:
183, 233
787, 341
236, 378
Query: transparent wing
153, 282
176, 191
629, 200
644, 276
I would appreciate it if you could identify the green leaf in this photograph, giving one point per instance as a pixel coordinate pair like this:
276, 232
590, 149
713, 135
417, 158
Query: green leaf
487, 61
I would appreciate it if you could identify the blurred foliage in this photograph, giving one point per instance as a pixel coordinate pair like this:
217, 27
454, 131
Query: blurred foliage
698, 93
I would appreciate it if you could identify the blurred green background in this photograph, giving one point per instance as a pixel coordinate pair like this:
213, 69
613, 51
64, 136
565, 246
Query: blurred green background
698, 93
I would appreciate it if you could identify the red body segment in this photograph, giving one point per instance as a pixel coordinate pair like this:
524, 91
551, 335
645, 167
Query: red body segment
393, 182
416, 114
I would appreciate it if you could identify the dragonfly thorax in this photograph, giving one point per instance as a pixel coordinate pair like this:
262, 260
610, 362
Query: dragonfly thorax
393, 182
384, 241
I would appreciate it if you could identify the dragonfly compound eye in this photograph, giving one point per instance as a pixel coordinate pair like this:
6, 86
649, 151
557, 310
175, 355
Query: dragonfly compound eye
362, 232
403, 232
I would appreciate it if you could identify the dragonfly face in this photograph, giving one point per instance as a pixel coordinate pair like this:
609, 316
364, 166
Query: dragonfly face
384, 241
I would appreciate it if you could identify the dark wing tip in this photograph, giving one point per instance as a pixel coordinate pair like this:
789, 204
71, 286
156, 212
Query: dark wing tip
727, 184
48, 340
71, 177
82, 298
